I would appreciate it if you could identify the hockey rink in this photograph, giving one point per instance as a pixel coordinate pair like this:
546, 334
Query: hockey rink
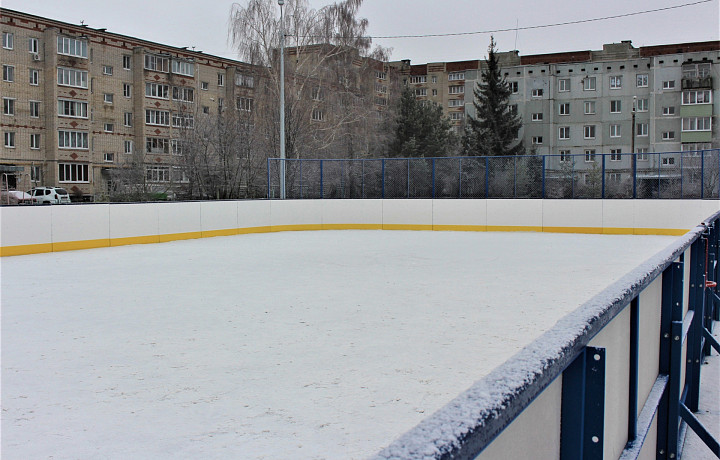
325, 344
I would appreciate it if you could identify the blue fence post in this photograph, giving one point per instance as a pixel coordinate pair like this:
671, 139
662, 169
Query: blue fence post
515, 176
702, 174
659, 179
583, 406
433, 178
460, 178
383, 177
301, 181
602, 182
543, 176
634, 368
681, 175
487, 177
268, 178
362, 178
408, 178
634, 175
322, 185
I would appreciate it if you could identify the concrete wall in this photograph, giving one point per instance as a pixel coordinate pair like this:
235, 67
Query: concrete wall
27, 230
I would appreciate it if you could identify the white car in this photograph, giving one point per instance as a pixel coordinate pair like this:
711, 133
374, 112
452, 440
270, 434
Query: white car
52, 195
15, 197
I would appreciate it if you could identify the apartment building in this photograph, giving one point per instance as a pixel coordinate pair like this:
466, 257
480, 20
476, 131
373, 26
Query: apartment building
584, 103
80, 102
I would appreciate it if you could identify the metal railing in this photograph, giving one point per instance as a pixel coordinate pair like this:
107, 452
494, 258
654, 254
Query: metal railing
669, 175
468, 424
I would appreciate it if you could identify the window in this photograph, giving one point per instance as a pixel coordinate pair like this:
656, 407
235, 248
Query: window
564, 108
615, 131
34, 45
420, 91
109, 157
127, 61
72, 47
589, 83
668, 135
641, 130
615, 106
514, 87
564, 133
179, 174
456, 89
107, 70
205, 109
72, 140
589, 131
35, 141
158, 174
221, 79
456, 116
35, 173
669, 84
565, 156
668, 161
156, 90
73, 172
696, 70
72, 77
615, 154
247, 81
381, 75
434, 91
433, 79
703, 96
128, 147
127, 90
10, 140
318, 115
109, 127
669, 110
8, 40
696, 124
245, 104
642, 154
642, 80
127, 119
108, 98
157, 63
537, 140
615, 177
537, 92
177, 147
8, 106
183, 121
455, 76
34, 77
157, 117
616, 82
418, 79
183, 94
156, 145
513, 110
589, 107
74, 109
537, 116
589, 155
696, 147
35, 109
563, 85
642, 105
8, 73
204, 85
456, 103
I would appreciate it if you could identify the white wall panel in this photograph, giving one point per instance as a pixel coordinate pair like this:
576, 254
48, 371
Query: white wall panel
80, 222
572, 213
183, 217
21, 225
408, 212
136, 219
218, 215
460, 212
362, 212
515, 213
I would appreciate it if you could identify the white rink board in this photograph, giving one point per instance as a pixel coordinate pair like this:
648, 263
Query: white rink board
322, 344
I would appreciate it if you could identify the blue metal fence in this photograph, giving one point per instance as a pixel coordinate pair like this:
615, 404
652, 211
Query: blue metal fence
668, 175
468, 424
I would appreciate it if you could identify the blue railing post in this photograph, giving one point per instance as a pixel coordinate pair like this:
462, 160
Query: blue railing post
681, 174
602, 182
322, 185
702, 174
362, 178
634, 175
543, 176
634, 368
433, 178
383, 177
301, 181
515, 176
268, 178
487, 177
460, 178
408, 178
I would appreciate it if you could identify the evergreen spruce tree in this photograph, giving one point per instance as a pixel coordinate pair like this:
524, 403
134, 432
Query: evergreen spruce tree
421, 130
494, 129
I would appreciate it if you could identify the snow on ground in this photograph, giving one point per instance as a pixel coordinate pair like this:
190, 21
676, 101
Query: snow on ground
289, 345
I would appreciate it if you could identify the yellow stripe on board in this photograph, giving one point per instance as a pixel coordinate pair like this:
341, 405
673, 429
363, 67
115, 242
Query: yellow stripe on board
99, 243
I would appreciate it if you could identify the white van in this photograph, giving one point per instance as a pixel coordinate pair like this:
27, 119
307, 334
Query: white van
52, 195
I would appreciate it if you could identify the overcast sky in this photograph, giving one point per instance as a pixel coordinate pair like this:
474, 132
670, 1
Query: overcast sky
205, 24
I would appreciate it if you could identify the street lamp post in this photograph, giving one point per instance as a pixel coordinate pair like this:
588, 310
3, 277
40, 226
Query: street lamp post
282, 101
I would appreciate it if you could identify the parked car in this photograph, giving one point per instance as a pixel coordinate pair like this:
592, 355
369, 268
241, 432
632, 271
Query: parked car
16, 197
52, 195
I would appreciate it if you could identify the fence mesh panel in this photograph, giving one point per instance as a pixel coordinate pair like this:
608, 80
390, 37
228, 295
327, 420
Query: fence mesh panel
667, 175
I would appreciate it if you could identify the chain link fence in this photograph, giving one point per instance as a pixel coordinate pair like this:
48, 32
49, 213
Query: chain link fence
670, 175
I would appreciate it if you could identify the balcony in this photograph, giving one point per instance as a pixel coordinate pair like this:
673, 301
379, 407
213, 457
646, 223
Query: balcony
697, 83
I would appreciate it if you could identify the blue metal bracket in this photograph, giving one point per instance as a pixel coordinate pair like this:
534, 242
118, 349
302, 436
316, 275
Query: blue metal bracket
699, 429
583, 406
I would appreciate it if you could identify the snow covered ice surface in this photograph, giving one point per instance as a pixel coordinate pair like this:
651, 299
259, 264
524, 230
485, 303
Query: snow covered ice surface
287, 345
